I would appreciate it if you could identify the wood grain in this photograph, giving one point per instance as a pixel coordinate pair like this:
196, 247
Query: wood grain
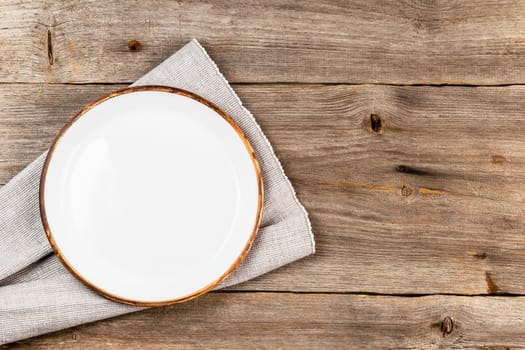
412, 190
430, 203
303, 321
338, 41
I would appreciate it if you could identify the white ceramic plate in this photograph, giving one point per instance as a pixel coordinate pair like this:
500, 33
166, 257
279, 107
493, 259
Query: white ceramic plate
151, 195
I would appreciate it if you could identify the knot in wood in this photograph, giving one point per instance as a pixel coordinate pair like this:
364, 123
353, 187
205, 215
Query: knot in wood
406, 191
376, 123
447, 326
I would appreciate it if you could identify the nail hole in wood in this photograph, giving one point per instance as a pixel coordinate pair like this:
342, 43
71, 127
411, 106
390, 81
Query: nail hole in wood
376, 123
134, 46
413, 171
401, 169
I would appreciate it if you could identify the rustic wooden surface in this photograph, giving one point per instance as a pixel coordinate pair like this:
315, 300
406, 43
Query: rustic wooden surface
308, 321
416, 190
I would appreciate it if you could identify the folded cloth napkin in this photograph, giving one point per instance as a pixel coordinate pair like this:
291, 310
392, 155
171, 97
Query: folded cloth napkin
38, 295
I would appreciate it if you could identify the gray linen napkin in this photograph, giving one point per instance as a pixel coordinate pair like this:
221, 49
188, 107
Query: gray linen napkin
38, 295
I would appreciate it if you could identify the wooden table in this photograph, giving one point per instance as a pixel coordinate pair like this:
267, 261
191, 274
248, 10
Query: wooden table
401, 125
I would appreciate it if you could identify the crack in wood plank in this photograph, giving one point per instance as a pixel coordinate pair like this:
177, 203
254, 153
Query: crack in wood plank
50, 48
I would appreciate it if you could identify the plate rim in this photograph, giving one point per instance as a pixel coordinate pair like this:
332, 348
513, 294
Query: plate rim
156, 88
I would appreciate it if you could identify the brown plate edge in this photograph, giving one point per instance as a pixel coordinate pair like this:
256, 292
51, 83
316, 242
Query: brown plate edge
201, 291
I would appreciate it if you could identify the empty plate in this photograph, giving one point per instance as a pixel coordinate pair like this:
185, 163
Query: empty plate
151, 195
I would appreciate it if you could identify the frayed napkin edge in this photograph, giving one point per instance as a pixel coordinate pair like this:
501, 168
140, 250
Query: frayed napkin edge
219, 73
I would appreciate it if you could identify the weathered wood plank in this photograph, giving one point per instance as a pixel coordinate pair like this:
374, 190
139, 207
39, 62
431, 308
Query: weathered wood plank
319, 321
432, 203
444, 42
